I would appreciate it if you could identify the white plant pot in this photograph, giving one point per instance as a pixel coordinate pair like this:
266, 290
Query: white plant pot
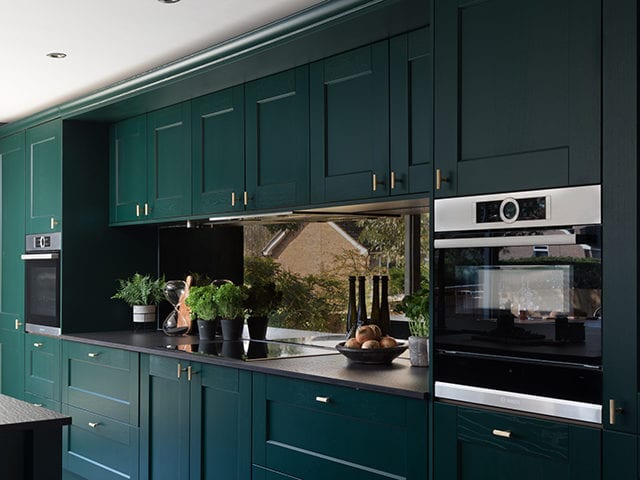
144, 313
419, 351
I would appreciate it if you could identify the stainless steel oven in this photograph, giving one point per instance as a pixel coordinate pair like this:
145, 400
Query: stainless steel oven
42, 283
517, 301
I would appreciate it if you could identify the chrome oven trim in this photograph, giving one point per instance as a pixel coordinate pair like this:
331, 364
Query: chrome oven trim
42, 329
513, 241
554, 407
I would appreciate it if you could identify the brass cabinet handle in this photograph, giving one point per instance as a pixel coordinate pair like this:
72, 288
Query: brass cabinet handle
37, 404
245, 198
501, 433
54, 222
18, 324
180, 370
146, 209
137, 209
38, 344
93, 355
323, 399
440, 178
93, 424
392, 181
190, 372
613, 410
233, 199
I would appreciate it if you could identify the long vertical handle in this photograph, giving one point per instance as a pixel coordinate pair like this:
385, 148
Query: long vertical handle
613, 410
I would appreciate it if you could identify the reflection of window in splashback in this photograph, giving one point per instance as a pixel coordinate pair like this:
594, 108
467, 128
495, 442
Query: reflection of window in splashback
311, 263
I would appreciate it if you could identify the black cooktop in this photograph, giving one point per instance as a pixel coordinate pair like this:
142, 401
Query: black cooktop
249, 350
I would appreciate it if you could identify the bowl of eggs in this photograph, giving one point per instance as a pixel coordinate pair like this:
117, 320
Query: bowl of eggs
369, 346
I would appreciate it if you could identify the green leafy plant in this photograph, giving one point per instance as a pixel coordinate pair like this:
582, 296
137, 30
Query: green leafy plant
230, 300
263, 298
416, 307
140, 290
202, 302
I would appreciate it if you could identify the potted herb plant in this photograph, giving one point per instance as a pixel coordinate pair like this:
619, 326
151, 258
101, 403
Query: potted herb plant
143, 293
230, 300
202, 303
416, 308
263, 298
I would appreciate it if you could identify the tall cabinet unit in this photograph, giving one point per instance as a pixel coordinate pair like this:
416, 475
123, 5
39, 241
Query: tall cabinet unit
517, 94
12, 228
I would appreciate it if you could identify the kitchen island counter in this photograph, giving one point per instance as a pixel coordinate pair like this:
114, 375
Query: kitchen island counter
399, 378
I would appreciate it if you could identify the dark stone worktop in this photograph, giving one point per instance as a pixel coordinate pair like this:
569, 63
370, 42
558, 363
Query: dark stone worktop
399, 378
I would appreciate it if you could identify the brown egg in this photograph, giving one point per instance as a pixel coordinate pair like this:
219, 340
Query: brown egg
352, 343
365, 333
387, 341
371, 344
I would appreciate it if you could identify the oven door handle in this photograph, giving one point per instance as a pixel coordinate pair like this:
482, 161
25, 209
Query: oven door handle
514, 241
40, 256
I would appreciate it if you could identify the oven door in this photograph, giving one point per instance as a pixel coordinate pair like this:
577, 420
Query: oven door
42, 292
519, 311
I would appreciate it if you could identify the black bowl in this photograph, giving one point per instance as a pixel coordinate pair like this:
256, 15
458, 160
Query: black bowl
372, 356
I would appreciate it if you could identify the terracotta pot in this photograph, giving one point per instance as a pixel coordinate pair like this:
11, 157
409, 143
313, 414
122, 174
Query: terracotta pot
231, 328
419, 351
257, 327
144, 313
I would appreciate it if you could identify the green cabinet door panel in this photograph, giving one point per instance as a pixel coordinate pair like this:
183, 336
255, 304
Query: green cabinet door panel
349, 125
11, 358
44, 177
261, 473
277, 140
169, 157
12, 212
218, 151
164, 419
469, 444
220, 423
42, 366
411, 112
518, 94
620, 456
128, 169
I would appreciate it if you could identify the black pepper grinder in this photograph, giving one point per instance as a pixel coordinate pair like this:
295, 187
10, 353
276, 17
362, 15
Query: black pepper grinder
375, 304
351, 309
361, 318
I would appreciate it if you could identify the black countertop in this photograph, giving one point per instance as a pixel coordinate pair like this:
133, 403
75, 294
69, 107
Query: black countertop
399, 378
18, 415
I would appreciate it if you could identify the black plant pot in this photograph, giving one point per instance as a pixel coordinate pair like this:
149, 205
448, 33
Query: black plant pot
257, 327
233, 349
207, 329
231, 328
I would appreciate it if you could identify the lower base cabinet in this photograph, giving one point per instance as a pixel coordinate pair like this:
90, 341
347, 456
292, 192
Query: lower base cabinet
11, 359
308, 430
42, 371
620, 456
477, 444
195, 420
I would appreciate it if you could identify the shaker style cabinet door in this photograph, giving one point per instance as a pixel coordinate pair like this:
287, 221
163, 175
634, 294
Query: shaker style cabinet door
44, 178
169, 157
350, 125
277, 140
218, 151
128, 169
517, 94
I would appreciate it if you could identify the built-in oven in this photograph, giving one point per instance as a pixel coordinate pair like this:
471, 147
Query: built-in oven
42, 283
517, 301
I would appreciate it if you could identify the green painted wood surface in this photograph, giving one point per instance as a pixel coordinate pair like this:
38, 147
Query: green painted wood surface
349, 105
128, 168
11, 357
620, 456
42, 366
218, 151
411, 111
102, 380
277, 140
169, 157
517, 90
260, 473
44, 177
465, 447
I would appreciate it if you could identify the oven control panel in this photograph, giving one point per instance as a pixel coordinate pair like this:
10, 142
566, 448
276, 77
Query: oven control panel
43, 242
511, 209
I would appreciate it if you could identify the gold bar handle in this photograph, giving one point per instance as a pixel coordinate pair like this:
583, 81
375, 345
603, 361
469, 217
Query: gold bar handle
38, 344
323, 399
179, 370
189, 372
501, 433
246, 198
440, 178
93, 355
37, 404
393, 180
613, 410
137, 209
375, 182
53, 223
233, 199
146, 209
18, 324
93, 424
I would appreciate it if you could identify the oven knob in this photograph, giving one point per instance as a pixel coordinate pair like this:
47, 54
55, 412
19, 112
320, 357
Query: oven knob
41, 243
509, 210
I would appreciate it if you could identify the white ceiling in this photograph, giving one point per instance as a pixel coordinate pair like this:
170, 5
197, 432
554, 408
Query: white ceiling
108, 41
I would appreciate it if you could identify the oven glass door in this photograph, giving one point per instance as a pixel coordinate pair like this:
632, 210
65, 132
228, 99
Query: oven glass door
523, 294
42, 294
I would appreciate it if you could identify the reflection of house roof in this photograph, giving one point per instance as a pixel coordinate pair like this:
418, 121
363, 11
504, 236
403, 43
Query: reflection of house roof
283, 238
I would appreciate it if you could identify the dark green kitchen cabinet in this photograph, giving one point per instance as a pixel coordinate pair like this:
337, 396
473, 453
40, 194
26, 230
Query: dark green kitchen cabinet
44, 178
311, 430
472, 443
42, 370
277, 140
411, 113
218, 152
620, 456
11, 358
349, 125
195, 420
169, 157
128, 169
517, 94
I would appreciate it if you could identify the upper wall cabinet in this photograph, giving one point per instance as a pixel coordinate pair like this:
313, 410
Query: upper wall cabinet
150, 165
44, 178
517, 94
350, 125
218, 151
277, 140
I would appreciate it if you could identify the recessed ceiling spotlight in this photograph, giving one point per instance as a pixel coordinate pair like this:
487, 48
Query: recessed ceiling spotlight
168, 1
56, 55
